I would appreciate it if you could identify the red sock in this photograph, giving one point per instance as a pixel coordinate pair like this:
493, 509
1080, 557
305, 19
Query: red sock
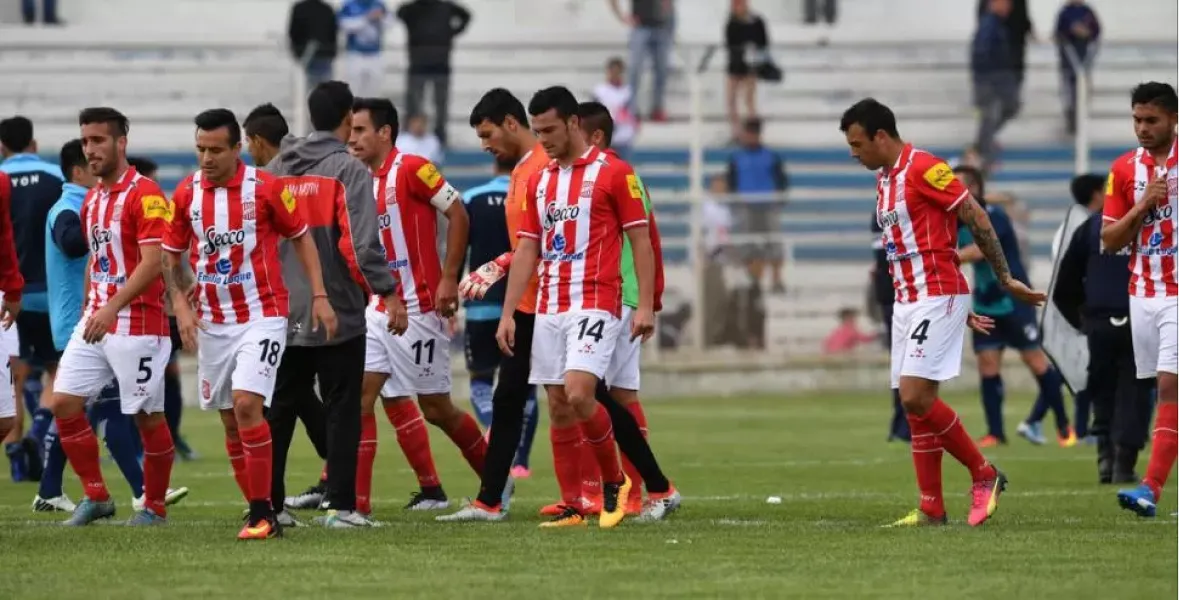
470, 441
364, 463
599, 434
237, 459
158, 456
81, 448
414, 440
636, 480
323, 474
944, 422
259, 460
567, 462
1163, 446
591, 474
927, 463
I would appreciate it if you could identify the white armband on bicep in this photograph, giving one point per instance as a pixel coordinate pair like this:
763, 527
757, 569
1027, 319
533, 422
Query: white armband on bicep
446, 196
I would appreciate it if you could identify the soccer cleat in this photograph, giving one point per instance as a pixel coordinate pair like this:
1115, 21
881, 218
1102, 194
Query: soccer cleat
505, 499
613, 503
261, 529
474, 512
286, 519
145, 518
344, 519
312, 497
89, 511
552, 510
174, 495
658, 509
984, 497
60, 503
521, 472
917, 518
422, 500
1141, 500
634, 506
1031, 432
1069, 440
591, 505
569, 517
990, 441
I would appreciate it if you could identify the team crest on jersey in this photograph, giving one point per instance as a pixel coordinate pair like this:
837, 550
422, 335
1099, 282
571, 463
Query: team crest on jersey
554, 214
940, 176
248, 210
157, 207
587, 190
206, 389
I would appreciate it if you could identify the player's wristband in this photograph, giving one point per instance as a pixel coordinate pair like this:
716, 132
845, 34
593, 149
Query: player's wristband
314, 296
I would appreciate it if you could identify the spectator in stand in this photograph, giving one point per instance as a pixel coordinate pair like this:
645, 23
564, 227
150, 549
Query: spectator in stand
28, 10
758, 175
312, 33
1019, 31
416, 139
717, 221
363, 22
820, 11
1077, 35
652, 33
747, 41
616, 95
432, 26
996, 79
847, 336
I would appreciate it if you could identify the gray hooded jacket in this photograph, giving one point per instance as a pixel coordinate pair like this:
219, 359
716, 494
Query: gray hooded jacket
335, 194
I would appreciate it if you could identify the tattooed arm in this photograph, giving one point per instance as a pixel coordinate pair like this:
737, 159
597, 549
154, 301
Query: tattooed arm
974, 216
177, 276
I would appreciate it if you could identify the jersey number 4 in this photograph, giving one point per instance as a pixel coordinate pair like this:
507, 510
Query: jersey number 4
921, 333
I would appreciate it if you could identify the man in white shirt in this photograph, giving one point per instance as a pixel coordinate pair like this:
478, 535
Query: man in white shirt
616, 95
416, 139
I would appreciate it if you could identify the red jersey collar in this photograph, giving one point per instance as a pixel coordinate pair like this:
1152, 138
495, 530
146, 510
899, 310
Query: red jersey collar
586, 158
235, 181
123, 183
1172, 158
902, 159
388, 164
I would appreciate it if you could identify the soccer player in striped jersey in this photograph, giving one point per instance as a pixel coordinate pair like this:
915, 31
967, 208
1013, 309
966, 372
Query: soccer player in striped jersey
11, 283
123, 331
919, 203
1142, 212
409, 192
229, 217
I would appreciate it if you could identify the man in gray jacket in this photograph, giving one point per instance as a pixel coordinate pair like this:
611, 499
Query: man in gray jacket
335, 194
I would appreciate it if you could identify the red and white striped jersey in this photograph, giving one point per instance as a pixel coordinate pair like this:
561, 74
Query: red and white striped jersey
1152, 264
118, 220
915, 206
578, 214
232, 234
410, 191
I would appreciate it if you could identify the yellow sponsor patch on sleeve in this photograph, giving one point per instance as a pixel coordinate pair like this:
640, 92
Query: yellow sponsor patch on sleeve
1109, 184
288, 200
940, 176
157, 207
429, 175
632, 184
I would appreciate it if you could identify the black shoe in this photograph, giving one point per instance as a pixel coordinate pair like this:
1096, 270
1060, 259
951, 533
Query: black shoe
1124, 461
428, 499
1105, 460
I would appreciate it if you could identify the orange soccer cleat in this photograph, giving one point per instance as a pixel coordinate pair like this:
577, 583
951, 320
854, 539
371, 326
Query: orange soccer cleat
260, 529
990, 441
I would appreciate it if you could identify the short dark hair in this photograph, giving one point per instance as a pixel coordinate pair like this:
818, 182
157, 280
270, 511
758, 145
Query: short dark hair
496, 106
329, 104
595, 116
144, 166
1159, 94
872, 116
752, 125
975, 175
266, 122
120, 126
216, 118
616, 61
1084, 186
16, 133
557, 98
381, 111
72, 156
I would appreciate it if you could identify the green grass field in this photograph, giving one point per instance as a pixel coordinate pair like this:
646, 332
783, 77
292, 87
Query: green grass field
1057, 534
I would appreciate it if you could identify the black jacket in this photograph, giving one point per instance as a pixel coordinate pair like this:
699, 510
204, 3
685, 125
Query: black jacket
431, 26
1092, 284
313, 21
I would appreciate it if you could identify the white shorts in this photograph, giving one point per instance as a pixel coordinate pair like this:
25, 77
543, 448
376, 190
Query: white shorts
623, 372
1155, 329
10, 341
7, 397
927, 338
365, 73
417, 362
582, 340
137, 362
239, 356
